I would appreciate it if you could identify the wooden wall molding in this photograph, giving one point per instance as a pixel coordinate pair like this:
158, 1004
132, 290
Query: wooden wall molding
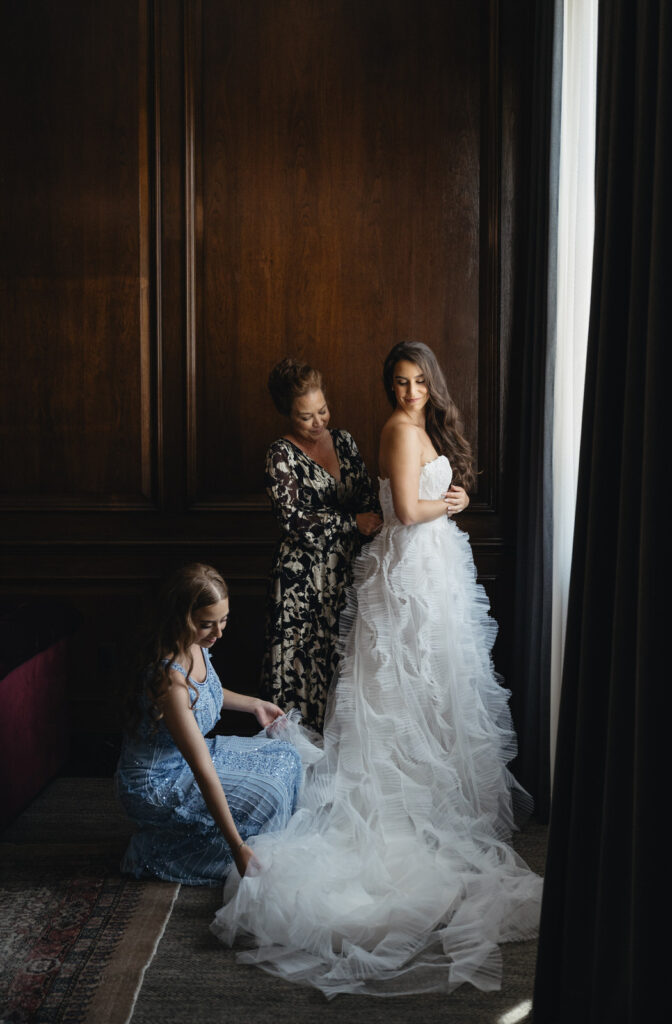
193, 242
197, 501
60, 294
488, 427
143, 121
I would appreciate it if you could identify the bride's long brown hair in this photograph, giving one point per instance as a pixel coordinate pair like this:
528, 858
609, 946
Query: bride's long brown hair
442, 417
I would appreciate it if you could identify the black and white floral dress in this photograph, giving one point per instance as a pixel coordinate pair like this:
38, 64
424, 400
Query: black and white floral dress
311, 570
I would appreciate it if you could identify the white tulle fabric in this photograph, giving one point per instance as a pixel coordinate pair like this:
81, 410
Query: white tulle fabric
394, 876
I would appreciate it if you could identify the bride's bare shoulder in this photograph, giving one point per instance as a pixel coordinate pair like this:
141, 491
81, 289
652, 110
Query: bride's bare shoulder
399, 430
398, 438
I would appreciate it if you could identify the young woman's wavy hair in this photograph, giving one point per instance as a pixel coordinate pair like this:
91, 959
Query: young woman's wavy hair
290, 379
442, 418
169, 636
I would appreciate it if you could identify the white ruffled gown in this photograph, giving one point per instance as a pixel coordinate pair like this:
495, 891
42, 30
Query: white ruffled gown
394, 875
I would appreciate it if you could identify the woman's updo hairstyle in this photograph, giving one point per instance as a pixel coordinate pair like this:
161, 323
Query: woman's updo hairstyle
289, 379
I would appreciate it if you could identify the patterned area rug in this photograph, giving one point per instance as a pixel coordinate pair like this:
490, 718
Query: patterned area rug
75, 935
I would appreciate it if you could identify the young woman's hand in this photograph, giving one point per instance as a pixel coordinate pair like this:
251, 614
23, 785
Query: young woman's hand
246, 861
456, 498
266, 712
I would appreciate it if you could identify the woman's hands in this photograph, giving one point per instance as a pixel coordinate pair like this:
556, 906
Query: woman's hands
456, 498
266, 713
245, 860
368, 523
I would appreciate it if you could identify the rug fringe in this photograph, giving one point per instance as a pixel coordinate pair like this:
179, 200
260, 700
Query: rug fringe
153, 953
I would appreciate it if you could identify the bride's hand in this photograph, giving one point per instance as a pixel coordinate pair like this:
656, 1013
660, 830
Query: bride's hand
456, 498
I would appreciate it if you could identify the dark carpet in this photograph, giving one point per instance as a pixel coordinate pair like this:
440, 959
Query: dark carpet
192, 979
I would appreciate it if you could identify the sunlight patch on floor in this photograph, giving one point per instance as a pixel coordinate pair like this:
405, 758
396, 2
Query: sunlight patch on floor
518, 1013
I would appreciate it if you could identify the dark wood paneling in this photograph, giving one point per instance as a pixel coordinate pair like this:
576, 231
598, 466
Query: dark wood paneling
195, 188
334, 193
77, 417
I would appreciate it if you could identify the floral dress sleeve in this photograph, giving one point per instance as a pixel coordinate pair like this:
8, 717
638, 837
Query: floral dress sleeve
364, 493
304, 506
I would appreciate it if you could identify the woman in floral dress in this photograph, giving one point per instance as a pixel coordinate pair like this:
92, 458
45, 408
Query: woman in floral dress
324, 502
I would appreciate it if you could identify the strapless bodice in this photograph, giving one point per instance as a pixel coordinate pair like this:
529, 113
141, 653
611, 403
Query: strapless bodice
435, 478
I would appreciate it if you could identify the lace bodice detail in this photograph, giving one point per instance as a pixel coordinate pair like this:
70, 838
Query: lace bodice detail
435, 478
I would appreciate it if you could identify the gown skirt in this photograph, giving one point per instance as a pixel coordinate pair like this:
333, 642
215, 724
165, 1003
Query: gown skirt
395, 875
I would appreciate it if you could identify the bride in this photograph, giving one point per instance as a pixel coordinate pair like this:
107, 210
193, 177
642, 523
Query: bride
395, 874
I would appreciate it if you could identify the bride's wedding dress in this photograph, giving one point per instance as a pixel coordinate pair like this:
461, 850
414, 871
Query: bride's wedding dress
394, 875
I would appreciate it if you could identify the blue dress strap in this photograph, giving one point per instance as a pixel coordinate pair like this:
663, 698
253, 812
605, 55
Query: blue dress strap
175, 665
183, 671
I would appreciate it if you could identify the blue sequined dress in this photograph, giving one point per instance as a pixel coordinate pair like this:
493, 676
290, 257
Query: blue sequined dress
177, 839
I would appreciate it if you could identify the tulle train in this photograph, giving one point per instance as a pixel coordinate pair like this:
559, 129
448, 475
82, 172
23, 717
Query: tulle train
395, 875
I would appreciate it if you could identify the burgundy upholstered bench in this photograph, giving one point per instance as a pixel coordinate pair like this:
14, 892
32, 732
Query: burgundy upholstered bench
34, 728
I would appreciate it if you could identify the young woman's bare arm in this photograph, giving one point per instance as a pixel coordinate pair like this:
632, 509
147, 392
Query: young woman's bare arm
263, 710
183, 727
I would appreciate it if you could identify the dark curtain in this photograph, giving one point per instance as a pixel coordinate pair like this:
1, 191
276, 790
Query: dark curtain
534, 531
603, 946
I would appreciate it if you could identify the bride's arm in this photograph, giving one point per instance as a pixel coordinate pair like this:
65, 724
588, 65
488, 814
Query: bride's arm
400, 451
